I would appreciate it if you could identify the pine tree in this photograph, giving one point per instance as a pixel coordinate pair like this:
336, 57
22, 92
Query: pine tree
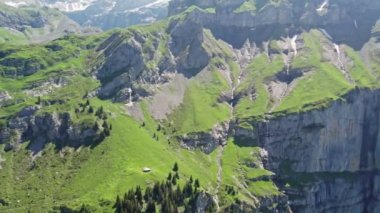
174, 181
90, 110
178, 196
99, 112
151, 207
148, 195
175, 167
118, 206
196, 184
191, 179
188, 189
156, 192
169, 176
139, 195
88, 102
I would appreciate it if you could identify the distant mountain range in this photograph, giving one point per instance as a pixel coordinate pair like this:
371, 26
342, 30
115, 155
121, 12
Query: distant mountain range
104, 14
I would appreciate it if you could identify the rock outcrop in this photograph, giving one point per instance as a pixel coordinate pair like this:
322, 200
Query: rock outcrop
346, 23
206, 141
332, 154
126, 58
57, 128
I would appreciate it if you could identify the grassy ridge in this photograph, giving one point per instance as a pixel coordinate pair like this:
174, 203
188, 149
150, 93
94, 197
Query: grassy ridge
324, 82
88, 176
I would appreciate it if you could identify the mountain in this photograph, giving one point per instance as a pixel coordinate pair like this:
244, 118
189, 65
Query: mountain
272, 106
35, 25
105, 14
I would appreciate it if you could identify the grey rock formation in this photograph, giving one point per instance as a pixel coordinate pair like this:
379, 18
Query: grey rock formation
206, 141
203, 201
126, 58
21, 66
332, 153
47, 128
186, 46
287, 17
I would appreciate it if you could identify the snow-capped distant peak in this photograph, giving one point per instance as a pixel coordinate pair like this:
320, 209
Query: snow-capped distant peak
70, 5
153, 4
15, 4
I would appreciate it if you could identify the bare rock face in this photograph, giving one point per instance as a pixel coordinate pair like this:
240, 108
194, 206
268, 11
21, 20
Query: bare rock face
332, 154
47, 128
126, 58
206, 141
21, 67
203, 201
328, 140
186, 46
347, 21
4, 96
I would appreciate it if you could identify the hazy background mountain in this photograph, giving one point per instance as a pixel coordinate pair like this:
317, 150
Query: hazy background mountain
105, 14
33, 24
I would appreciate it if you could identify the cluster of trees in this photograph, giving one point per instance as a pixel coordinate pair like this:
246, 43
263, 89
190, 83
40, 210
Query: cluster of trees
231, 190
165, 196
99, 113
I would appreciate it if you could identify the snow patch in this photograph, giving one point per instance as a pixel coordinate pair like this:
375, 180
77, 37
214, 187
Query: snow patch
15, 4
70, 6
153, 4
323, 8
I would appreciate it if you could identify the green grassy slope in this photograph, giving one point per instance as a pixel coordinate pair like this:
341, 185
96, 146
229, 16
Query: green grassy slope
90, 175
95, 175
323, 84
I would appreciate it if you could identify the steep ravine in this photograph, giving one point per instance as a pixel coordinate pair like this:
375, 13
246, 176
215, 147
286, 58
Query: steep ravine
326, 160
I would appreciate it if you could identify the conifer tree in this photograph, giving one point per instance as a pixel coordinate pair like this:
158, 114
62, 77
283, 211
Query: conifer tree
174, 181
90, 110
151, 207
99, 112
196, 184
148, 195
118, 206
169, 176
175, 167
139, 195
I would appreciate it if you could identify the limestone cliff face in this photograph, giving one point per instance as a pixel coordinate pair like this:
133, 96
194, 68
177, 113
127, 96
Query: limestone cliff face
336, 150
346, 21
207, 141
55, 128
126, 58
343, 137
